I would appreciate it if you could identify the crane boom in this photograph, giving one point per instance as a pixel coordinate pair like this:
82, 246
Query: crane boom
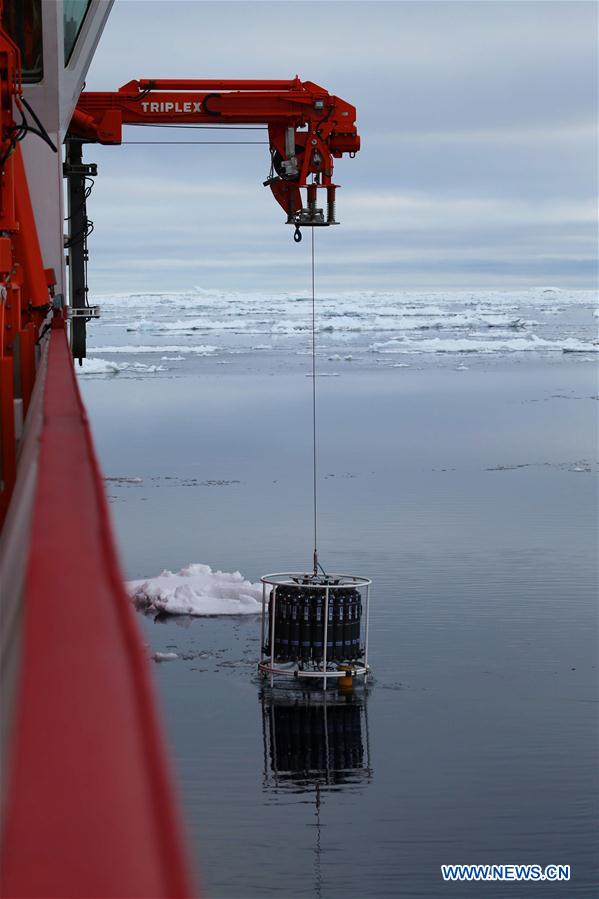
307, 127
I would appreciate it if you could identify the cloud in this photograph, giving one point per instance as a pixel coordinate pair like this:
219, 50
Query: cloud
478, 166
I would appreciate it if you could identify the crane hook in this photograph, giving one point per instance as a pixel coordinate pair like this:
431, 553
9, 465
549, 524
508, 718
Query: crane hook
297, 234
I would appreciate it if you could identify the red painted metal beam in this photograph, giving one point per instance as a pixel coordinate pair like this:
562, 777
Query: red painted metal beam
89, 809
8, 460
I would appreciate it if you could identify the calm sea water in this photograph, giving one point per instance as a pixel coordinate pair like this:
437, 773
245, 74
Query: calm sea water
469, 496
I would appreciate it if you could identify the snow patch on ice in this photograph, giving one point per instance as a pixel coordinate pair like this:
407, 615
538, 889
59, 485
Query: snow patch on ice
197, 590
164, 656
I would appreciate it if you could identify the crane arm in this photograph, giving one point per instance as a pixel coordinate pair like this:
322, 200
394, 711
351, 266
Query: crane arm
307, 127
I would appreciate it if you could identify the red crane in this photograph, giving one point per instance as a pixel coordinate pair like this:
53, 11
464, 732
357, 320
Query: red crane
307, 127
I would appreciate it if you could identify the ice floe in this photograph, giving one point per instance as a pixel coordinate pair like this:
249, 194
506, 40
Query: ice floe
124, 480
197, 590
201, 350
572, 345
101, 367
475, 344
106, 367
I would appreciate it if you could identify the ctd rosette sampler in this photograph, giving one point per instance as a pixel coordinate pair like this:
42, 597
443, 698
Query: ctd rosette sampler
315, 626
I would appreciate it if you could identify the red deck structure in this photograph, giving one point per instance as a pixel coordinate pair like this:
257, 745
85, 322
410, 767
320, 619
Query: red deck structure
89, 807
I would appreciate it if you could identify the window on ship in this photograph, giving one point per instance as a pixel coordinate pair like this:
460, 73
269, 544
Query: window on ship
73, 14
23, 22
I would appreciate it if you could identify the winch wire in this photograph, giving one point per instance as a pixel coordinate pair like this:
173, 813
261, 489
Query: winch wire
314, 408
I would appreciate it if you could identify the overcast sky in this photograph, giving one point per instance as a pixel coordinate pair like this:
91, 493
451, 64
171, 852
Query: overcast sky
478, 164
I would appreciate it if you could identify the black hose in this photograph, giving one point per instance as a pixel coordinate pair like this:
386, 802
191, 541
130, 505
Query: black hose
42, 131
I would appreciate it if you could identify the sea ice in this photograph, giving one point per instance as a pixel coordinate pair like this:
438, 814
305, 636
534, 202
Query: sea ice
197, 590
572, 345
101, 367
202, 350
106, 367
478, 344
493, 321
123, 480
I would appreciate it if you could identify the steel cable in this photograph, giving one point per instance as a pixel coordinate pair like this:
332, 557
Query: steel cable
314, 408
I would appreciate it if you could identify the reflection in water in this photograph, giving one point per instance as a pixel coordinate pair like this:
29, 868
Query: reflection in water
314, 740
